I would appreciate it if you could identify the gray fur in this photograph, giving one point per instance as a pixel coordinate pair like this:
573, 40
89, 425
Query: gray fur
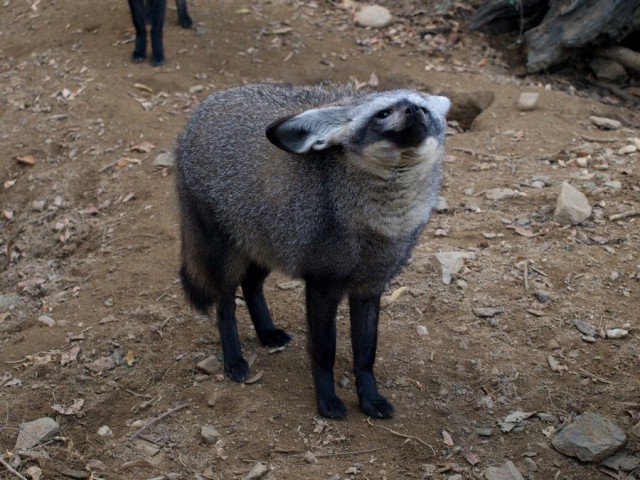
321, 196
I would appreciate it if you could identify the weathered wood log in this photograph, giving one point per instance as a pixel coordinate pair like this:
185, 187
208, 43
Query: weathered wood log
571, 25
503, 16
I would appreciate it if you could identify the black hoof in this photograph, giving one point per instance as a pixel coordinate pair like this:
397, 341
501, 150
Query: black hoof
157, 62
237, 371
185, 22
332, 408
276, 338
138, 57
377, 407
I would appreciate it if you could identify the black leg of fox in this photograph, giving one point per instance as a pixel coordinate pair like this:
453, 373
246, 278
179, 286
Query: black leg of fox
158, 10
322, 305
235, 366
364, 314
184, 20
268, 333
138, 16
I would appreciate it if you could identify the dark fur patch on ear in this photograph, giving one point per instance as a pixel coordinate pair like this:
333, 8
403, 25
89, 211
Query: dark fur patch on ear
271, 133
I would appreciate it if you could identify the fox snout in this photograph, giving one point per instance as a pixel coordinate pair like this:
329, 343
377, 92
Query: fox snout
412, 126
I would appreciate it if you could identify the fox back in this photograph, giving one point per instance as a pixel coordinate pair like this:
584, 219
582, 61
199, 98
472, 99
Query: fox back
327, 191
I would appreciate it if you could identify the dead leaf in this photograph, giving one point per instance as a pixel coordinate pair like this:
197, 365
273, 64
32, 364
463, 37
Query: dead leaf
4, 316
397, 292
525, 232
470, 456
28, 160
71, 356
142, 86
555, 365
9, 183
255, 378
144, 147
71, 410
130, 358
446, 438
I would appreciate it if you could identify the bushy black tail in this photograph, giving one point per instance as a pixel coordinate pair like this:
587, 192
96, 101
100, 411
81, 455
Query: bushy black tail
201, 298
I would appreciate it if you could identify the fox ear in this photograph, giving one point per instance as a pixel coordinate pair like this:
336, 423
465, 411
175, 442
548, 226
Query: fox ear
439, 105
316, 129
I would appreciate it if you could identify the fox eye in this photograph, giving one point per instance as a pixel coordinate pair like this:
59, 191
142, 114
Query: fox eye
383, 114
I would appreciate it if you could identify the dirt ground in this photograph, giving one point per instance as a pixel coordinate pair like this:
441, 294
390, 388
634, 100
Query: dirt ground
91, 309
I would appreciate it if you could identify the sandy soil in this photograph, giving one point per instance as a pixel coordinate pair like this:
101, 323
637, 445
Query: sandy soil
88, 238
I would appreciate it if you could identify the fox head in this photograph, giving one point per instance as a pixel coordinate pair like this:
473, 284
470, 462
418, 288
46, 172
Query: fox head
389, 128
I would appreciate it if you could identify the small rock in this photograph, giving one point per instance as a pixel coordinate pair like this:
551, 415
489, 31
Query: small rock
102, 364
636, 430
636, 142
622, 461
95, 465
209, 434
310, 458
452, 263
586, 328
627, 149
616, 333
500, 193
441, 205
543, 296
547, 417
487, 312
484, 430
259, 470
373, 16
422, 331
537, 184
165, 159
105, 431
196, 89
38, 205
572, 206
46, 320
530, 465
606, 69
615, 275
605, 123
590, 438
75, 474
210, 365
35, 432
344, 382
507, 472
528, 101
613, 184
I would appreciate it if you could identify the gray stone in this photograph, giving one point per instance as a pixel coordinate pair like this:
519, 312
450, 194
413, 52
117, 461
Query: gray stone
165, 159
507, 472
32, 433
441, 205
209, 434
636, 430
590, 438
310, 458
210, 365
572, 206
528, 101
451, 263
500, 193
622, 461
373, 16
7, 300
605, 123
259, 470
606, 69
543, 296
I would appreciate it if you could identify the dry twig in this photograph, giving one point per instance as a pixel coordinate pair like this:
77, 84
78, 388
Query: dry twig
10, 469
157, 419
401, 435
